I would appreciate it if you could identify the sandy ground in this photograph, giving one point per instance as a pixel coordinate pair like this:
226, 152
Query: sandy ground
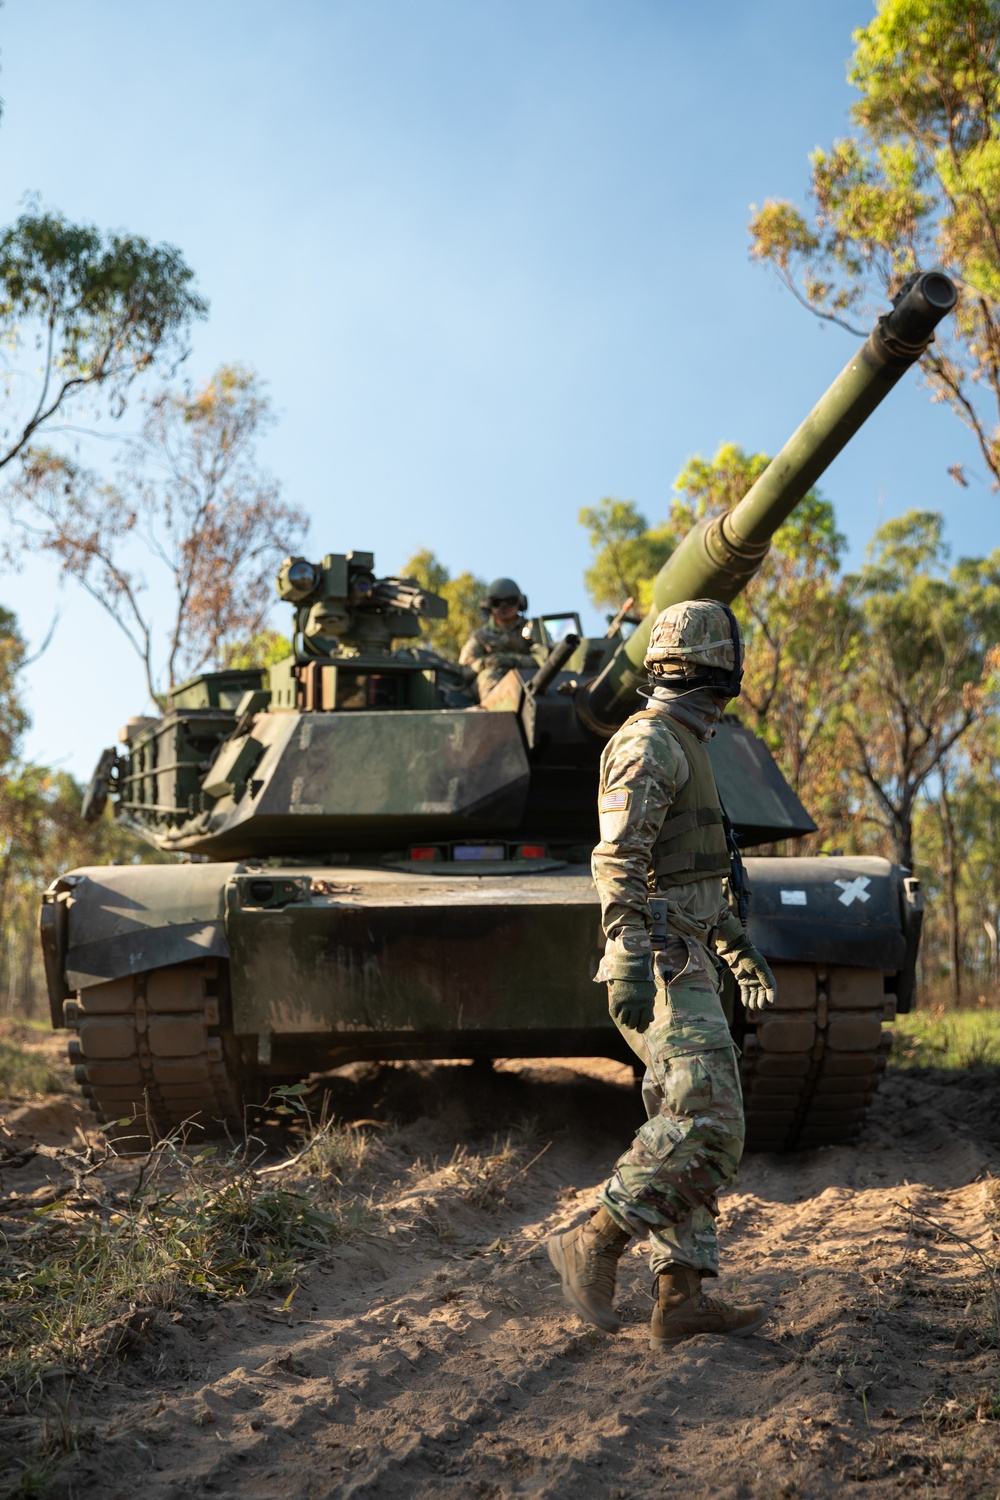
432, 1355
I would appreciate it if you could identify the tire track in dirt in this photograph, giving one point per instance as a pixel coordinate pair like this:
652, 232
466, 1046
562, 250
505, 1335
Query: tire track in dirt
432, 1355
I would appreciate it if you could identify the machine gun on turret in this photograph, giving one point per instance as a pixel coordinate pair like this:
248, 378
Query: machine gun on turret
342, 608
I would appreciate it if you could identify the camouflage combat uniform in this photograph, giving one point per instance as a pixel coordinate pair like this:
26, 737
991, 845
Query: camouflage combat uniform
661, 828
492, 650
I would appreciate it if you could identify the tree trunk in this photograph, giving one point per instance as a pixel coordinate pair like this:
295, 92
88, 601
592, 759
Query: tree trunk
951, 893
5, 868
992, 931
904, 837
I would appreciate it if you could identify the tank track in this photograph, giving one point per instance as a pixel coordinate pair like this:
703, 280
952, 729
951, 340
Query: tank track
811, 1065
150, 1049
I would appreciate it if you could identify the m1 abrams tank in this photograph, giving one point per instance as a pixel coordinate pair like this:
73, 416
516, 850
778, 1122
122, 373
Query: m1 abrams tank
380, 868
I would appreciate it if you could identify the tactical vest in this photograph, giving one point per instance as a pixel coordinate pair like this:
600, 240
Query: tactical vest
691, 844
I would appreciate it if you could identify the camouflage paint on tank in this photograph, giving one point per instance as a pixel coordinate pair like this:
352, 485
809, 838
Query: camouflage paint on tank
361, 946
320, 779
448, 954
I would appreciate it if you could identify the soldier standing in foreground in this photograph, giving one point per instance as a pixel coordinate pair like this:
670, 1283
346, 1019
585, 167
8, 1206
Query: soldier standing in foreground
664, 832
499, 644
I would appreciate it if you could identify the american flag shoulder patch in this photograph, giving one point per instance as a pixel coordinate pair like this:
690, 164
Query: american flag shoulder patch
615, 801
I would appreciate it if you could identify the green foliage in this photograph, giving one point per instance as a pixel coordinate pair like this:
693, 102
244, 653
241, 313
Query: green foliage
709, 487
790, 613
447, 637
878, 694
957, 1040
13, 717
932, 63
191, 492
917, 663
429, 571
41, 835
917, 185
957, 834
24, 1070
262, 650
628, 555
98, 308
193, 1226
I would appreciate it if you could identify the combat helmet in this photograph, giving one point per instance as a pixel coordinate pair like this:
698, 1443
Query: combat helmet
502, 588
697, 643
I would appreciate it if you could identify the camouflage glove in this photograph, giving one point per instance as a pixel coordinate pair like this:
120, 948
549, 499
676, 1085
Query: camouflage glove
632, 991
750, 969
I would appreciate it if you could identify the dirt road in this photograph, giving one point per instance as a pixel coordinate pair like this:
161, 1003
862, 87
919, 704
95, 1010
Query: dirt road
431, 1355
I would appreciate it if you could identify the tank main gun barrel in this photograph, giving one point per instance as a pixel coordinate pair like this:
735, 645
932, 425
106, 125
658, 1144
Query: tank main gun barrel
721, 554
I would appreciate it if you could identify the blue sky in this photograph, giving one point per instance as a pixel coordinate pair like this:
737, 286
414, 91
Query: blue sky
490, 255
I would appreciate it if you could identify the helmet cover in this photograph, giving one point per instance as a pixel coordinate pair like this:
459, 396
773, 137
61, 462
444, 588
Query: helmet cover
698, 642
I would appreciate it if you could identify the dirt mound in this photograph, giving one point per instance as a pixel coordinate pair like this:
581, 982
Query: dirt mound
430, 1353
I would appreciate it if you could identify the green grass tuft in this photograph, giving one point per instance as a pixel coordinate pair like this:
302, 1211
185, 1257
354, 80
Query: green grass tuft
25, 1071
959, 1040
192, 1227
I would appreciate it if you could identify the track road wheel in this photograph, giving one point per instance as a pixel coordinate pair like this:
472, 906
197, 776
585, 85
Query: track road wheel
812, 1063
153, 1049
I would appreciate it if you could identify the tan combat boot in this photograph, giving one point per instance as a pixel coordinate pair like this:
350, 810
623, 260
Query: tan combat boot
587, 1259
682, 1310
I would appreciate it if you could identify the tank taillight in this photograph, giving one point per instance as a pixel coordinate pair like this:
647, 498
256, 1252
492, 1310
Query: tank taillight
472, 854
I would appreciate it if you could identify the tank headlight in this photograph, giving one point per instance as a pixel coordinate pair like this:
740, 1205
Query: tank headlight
272, 895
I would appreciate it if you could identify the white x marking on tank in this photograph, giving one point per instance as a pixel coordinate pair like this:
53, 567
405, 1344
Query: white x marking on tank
853, 890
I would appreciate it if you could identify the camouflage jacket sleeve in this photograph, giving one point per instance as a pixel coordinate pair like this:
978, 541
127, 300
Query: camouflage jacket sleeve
729, 932
642, 770
473, 652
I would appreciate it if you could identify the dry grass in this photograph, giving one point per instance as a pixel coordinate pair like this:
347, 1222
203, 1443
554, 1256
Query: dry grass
81, 1270
115, 1248
959, 1411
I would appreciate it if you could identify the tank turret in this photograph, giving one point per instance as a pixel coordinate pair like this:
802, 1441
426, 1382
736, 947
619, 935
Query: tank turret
718, 558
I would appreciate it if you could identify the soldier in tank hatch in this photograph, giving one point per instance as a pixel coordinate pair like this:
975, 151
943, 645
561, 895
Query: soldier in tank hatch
664, 834
499, 643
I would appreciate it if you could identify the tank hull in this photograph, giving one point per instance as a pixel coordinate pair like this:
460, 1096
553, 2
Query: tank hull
191, 989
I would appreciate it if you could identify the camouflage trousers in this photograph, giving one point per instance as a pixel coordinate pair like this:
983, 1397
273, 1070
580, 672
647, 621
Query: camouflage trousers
690, 1146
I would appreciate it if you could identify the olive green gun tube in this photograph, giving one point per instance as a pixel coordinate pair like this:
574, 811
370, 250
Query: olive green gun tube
720, 555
